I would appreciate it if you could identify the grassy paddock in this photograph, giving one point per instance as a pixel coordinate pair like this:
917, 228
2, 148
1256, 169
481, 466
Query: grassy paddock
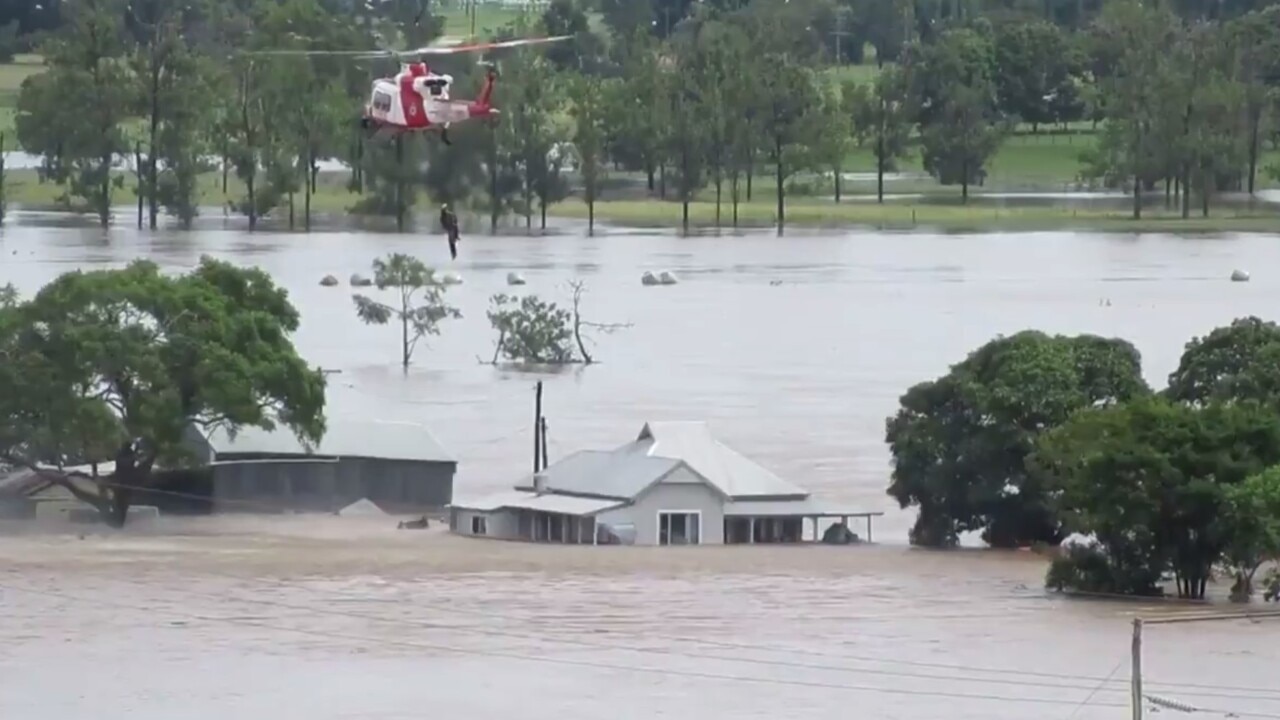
23, 189
650, 213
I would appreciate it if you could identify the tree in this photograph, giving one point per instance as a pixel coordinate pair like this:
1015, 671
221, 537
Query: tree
421, 305
78, 148
788, 119
120, 365
959, 443
588, 95
1148, 480
1251, 522
882, 119
1037, 73
1257, 35
1133, 92
168, 87
1238, 362
960, 126
579, 289
531, 330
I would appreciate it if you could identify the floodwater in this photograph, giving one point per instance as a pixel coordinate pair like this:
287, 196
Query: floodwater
794, 348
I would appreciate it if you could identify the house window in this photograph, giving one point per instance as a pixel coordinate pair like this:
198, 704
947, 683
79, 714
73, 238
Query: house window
679, 527
478, 525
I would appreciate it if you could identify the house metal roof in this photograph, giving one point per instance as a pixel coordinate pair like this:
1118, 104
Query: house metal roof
603, 473
627, 471
732, 473
547, 502
345, 437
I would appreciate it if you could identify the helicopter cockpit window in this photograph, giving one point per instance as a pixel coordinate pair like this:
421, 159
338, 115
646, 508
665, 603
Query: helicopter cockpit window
435, 87
382, 101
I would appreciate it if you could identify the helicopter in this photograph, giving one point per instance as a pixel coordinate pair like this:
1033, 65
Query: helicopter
417, 99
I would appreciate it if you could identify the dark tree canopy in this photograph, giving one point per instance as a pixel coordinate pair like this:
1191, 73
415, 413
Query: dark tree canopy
120, 365
959, 443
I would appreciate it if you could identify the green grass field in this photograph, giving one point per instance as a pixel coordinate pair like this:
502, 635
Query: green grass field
23, 189
488, 19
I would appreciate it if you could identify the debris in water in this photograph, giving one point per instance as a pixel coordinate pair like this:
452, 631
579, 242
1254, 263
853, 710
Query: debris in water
364, 507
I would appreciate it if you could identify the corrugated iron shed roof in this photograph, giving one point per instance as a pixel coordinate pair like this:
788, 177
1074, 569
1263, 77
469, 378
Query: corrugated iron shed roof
346, 437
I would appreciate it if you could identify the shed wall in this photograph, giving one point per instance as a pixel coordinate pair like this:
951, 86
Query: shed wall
395, 485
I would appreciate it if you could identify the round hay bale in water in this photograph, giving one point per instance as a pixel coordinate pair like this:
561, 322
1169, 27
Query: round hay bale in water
666, 277
358, 280
1239, 276
515, 278
451, 279
649, 278
329, 281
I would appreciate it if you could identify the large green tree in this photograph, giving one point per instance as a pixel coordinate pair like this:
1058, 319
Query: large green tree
80, 143
1148, 481
1237, 362
121, 365
960, 123
959, 443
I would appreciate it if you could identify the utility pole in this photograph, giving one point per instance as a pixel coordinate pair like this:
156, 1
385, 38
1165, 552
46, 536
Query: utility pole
545, 462
1136, 674
537, 429
1139, 623
839, 34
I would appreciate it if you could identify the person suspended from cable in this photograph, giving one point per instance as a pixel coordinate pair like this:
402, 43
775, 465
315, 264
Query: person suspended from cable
449, 222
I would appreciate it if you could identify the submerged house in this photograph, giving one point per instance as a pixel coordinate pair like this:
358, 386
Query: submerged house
675, 484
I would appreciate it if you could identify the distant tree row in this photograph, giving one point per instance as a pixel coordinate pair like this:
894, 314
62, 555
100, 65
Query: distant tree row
704, 99
1035, 437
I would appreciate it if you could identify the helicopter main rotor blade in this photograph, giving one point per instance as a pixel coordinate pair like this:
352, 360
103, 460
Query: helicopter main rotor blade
482, 47
314, 53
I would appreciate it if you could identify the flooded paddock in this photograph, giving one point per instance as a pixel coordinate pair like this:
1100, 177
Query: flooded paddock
794, 348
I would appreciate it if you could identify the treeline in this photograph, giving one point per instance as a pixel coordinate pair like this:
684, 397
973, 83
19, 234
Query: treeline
1034, 437
701, 98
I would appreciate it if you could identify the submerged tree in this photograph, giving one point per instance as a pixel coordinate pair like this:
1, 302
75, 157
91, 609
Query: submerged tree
420, 305
533, 330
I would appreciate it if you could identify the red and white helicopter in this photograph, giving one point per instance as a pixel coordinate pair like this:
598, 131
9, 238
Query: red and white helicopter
417, 99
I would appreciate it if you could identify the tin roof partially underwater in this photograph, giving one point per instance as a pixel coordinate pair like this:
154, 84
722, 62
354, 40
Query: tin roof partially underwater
661, 447
345, 437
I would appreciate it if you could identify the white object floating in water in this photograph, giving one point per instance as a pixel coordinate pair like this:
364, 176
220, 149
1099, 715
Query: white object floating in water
451, 279
329, 281
1239, 276
649, 278
666, 277
362, 507
515, 278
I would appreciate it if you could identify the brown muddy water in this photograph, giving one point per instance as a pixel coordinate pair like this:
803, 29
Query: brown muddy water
794, 348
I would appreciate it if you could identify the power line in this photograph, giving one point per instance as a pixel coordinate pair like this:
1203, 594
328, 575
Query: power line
1233, 692
592, 664
753, 661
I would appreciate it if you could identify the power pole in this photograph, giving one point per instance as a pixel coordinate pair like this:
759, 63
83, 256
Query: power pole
1136, 674
839, 34
537, 429
1139, 623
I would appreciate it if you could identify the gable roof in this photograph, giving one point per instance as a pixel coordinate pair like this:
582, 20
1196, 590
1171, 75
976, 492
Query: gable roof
603, 473
345, 437
729, 471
